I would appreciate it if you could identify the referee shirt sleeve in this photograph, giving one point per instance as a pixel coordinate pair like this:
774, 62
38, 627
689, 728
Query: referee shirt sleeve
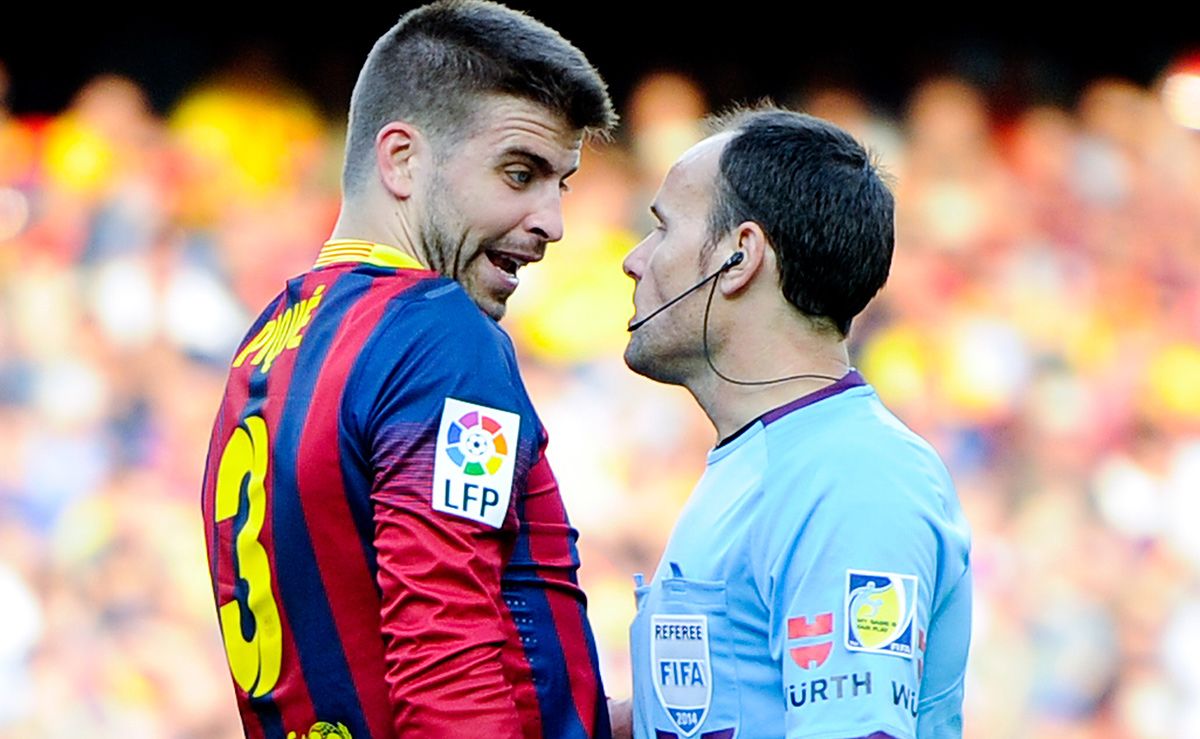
849, 583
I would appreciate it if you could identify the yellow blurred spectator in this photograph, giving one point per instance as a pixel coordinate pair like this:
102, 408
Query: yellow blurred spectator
1173, 380
242, 144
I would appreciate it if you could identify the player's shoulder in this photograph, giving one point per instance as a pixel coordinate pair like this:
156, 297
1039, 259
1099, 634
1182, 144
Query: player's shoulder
440, 308
432, 321
265, 316
432, 342
433, 335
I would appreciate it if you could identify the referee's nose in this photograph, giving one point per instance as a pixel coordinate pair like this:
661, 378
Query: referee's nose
634, 264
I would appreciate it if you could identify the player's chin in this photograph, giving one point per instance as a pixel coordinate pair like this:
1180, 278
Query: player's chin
495, 311
494, 306
490, 295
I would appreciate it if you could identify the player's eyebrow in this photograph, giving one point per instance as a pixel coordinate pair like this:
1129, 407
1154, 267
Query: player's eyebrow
540, 163
654, 211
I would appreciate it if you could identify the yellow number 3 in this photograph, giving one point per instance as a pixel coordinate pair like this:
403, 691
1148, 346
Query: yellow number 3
254, 661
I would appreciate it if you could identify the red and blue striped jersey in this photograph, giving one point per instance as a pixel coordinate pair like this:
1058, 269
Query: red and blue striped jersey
389, 552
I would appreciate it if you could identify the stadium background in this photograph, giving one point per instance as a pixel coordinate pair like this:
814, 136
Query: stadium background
161, 175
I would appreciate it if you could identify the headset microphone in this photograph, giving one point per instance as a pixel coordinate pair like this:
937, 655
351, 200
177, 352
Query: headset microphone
734, 260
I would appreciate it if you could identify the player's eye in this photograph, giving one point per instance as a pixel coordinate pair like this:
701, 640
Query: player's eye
519, 176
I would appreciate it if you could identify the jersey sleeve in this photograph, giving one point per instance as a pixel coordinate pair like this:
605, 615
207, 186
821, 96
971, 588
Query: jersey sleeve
435, 377
850, 592
542, 590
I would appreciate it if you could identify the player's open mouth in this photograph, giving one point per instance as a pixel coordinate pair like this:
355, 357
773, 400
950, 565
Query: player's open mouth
505, 262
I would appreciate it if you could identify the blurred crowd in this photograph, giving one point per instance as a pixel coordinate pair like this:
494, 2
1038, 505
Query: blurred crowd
1041, 328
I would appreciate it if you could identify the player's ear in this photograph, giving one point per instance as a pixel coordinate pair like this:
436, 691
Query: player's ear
749, 239
396, 148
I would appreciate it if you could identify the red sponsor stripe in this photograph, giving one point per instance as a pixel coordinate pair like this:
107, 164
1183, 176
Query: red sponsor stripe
799, 627
811, 655
345, 574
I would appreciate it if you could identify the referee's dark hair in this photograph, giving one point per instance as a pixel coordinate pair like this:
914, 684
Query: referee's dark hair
820, 200
439, 61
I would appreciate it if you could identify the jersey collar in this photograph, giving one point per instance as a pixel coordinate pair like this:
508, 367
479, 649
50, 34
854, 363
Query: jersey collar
849, 380
338, 251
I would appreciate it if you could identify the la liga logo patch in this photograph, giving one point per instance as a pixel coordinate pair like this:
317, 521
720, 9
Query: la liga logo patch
473, 466
476, 443
881, 609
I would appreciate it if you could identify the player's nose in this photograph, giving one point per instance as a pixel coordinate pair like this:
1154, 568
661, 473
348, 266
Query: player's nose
546, 220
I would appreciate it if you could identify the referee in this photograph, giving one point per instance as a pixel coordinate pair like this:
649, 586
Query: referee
817, 583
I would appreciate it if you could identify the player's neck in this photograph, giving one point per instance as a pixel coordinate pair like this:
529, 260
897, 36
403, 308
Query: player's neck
359, 221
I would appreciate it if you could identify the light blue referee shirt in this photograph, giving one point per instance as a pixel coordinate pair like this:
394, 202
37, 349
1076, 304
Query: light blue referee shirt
816, 584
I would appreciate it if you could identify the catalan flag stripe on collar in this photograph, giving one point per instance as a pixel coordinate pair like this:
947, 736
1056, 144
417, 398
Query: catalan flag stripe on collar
337, 251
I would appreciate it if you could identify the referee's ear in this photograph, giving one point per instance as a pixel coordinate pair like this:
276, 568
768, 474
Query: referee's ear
397, 147
751, 241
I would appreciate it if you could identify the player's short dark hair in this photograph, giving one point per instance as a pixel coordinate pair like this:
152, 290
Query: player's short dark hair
820, 200
432, 67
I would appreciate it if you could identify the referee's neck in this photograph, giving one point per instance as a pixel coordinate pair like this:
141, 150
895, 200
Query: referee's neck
755, 382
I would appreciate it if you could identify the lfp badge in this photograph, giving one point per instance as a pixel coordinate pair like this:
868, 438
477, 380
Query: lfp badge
473, 467
679, 660
880, 610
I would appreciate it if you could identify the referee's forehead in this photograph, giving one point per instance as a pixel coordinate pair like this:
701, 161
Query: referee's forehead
690, 181
705, 153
